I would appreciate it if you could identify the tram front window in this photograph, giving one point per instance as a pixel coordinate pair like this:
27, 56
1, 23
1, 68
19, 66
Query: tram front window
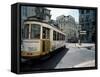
35, 31
26, 31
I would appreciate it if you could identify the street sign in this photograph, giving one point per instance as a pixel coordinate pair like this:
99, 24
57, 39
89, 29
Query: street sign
82, 31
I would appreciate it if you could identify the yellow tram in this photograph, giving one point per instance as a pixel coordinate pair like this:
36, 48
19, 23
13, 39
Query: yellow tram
40, 38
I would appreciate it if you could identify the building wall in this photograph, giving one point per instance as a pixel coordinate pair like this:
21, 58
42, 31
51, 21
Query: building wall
40, 12
88, 23
68, 25
31, 11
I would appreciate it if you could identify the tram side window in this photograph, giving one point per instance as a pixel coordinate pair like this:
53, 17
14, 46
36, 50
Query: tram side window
54, 35
26, 31
60, 36
57, 36
63, 37
46, 33
35, 31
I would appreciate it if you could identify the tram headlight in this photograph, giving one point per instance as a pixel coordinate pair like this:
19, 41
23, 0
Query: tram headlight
22, 47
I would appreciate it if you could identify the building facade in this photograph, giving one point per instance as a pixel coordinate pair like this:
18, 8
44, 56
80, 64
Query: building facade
87, 21
39, 12
68, 25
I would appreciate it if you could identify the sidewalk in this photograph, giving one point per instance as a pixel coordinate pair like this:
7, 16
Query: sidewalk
86, 64
83, 45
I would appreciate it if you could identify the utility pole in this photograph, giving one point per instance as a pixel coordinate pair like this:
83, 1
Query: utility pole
79, 39
81, 33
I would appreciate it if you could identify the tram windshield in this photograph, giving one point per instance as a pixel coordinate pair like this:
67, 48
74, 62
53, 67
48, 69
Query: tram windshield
32, 31
26, 31
35, 31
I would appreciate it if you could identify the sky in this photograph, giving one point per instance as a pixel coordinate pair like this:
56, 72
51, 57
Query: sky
57, 12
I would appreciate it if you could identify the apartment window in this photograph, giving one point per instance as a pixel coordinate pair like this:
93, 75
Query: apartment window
82, 11
82, 20
47, 11
87, 18
93, 23
47, 17
24, 11
87, 24
87, 11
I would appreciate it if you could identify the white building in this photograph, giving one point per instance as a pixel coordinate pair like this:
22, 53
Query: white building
68, 25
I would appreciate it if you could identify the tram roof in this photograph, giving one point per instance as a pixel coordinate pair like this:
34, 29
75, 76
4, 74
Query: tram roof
45, 24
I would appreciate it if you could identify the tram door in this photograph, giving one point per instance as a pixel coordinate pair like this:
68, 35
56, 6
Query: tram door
45, 40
